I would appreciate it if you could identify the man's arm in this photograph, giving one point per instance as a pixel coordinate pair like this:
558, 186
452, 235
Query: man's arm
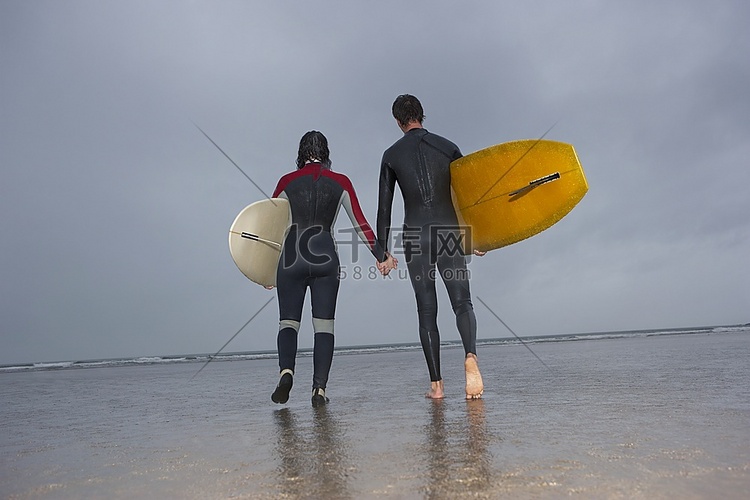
386, 187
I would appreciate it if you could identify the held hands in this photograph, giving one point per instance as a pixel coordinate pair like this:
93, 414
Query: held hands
389, 264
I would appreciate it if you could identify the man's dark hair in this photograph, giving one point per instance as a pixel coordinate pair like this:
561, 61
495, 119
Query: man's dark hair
407, 108
313, 146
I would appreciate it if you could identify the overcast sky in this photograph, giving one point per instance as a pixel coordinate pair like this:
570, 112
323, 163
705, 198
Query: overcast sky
115, 208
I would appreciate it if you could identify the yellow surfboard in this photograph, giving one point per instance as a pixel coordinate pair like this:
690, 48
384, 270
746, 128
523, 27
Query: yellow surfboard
512, 191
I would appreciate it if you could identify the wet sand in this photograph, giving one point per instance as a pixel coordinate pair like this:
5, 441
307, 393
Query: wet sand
648, 417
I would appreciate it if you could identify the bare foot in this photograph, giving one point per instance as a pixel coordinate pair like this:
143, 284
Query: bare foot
436, 390
474, 384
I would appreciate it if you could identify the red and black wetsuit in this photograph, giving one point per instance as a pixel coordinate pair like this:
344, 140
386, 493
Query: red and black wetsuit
420, 163
309, 259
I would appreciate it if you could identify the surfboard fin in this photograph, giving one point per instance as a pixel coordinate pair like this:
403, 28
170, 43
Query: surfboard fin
255, 237
536, 183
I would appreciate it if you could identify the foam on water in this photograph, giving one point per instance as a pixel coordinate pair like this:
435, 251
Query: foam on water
245, 356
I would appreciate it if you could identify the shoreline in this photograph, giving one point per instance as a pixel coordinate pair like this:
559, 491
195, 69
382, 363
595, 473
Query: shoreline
636, 417
360, 349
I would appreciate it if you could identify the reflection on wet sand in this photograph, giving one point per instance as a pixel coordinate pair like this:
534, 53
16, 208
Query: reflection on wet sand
312, 457
459, 462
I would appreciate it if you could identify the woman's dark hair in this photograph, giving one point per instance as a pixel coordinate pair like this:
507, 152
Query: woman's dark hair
407, 108
313, 146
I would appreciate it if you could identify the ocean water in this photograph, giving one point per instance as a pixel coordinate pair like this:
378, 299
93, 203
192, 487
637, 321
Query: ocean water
659, 414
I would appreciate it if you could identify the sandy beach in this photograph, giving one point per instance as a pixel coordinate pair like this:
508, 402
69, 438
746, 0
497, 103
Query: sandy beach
643, 417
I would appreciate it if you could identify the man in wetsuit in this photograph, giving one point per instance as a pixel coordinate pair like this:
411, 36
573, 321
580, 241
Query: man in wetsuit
309, 259
419, 162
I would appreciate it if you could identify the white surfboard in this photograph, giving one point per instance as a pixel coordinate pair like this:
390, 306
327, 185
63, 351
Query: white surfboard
256, 236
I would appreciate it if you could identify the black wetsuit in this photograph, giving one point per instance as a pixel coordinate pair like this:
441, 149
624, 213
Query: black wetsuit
309, 259
419, 162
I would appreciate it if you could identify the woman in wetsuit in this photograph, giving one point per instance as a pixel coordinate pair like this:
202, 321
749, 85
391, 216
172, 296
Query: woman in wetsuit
309, 259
